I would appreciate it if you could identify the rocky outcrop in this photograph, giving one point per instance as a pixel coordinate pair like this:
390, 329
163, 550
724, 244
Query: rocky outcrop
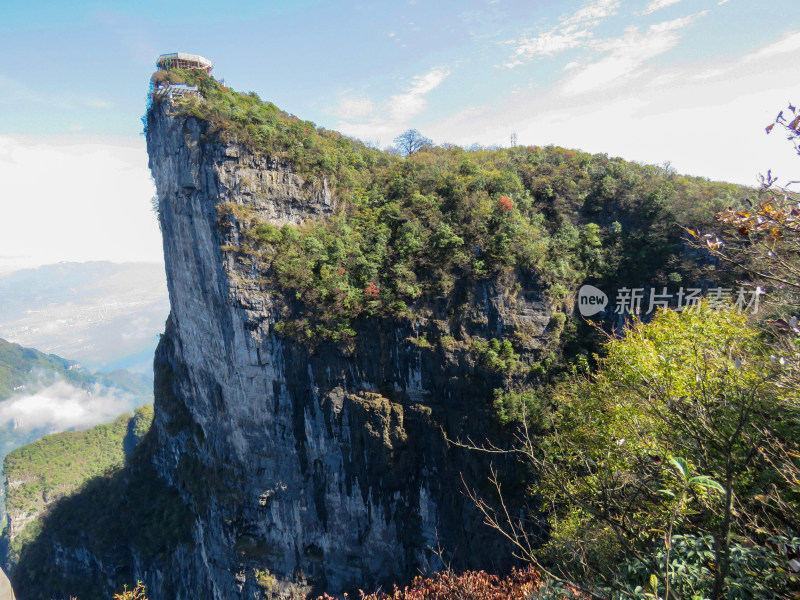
305, 468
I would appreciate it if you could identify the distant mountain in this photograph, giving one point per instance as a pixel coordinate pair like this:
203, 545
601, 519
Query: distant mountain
22, 367
105, 315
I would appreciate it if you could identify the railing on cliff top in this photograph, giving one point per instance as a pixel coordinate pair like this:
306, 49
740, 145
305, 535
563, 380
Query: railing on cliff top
174, 90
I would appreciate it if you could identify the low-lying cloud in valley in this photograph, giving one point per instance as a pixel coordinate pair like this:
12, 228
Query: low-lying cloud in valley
62, 406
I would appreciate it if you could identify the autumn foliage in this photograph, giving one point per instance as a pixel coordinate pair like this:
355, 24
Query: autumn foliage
136, 593
371, 291
470, 585
505, 203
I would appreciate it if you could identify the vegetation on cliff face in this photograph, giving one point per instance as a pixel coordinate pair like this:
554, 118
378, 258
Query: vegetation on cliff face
414, 229
262, 127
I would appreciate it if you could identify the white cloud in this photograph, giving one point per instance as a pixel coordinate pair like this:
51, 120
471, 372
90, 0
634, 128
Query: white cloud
711, 73
721, 2
76, 200
363, 119
598, 9
62, 406
573, 31
657, 5
547, 44
627, 54
355, 108
403, 107
788, 43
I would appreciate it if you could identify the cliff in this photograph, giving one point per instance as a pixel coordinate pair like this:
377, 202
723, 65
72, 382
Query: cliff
324, 466
284, 467
337, 314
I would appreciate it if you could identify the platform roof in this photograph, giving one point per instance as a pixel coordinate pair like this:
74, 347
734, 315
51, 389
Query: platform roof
200, 60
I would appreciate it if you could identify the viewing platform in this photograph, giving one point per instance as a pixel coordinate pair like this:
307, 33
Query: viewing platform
184, 60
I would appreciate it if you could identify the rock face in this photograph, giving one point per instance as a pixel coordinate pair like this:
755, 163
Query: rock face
316, 465
305, 469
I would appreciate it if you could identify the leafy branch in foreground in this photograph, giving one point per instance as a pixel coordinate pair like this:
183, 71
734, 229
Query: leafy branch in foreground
137, 593
790, 124
681, 439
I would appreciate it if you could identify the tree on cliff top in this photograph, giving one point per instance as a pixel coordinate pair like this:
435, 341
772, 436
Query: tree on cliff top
411, 142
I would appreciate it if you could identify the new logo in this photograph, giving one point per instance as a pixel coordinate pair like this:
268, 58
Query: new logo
591, 300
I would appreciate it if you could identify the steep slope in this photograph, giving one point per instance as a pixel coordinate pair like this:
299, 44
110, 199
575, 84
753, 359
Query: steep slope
302, 401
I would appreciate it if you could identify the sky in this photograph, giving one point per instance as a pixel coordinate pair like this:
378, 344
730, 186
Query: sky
692, 83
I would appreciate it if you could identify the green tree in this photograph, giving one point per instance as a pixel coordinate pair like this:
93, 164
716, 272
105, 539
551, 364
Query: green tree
671, 439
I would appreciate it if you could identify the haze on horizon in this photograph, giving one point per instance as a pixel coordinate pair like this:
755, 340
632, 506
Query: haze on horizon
689, 82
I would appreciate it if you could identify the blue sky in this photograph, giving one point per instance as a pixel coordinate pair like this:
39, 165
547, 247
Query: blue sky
692, 82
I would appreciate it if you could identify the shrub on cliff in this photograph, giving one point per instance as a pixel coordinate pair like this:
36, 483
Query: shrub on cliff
419, 226
137, 593
262, 127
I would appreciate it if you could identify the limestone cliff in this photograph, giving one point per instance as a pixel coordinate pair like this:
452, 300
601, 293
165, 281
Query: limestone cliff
302, 468
312, 464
